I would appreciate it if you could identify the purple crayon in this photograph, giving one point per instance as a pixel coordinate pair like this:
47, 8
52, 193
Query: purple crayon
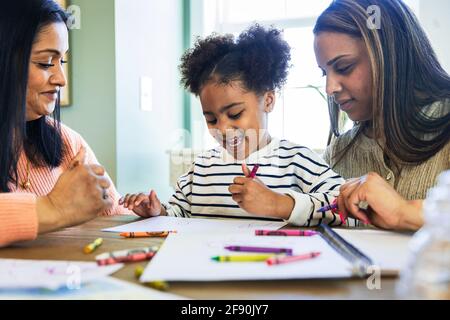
260, 249
331, 207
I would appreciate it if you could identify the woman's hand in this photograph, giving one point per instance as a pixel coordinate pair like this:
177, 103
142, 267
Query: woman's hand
252, 195
143, 205
387, 209
79, 195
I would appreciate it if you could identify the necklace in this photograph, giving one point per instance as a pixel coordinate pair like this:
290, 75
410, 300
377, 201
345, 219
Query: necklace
27, 183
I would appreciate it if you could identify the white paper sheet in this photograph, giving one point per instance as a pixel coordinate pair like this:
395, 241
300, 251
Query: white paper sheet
196, 225
29, 274
187, 257
388, 250
107, 288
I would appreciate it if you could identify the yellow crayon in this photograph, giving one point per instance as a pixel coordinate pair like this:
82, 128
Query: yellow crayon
92, 246
243, 258
138, 271
158, 285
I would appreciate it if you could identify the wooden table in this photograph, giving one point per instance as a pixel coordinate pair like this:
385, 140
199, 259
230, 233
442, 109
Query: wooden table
68, 245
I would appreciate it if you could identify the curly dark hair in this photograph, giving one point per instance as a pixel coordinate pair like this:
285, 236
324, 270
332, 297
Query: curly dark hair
259, 58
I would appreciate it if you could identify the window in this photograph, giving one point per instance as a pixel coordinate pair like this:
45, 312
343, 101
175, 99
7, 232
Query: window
301, 112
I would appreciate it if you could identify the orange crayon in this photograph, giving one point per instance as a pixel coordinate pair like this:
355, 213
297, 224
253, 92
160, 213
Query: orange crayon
158, 234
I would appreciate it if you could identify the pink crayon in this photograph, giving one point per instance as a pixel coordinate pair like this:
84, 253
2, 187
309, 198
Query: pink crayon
288, 259
286, 233
254, 170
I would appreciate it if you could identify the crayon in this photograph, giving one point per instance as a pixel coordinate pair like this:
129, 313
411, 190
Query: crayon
254, 170
287, 259
156, 234
286, 233
260, 249
93, 246
131, 258
363, 205
133, 255
243, 258
158, 285
331, 207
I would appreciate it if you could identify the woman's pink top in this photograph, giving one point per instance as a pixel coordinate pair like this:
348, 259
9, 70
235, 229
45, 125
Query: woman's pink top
18, 216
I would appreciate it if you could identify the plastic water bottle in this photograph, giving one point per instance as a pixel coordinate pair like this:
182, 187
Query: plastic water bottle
427, 273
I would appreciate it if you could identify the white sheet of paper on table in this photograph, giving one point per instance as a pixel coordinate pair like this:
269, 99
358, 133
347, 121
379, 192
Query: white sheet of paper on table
196, 225
187, 257
49, 274
107, 288
388, 250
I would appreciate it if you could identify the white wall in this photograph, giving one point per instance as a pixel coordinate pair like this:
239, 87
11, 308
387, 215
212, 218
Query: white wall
148, 43
92, 81
435, 18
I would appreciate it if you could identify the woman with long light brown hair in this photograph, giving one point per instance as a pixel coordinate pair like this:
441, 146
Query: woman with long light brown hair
384, 75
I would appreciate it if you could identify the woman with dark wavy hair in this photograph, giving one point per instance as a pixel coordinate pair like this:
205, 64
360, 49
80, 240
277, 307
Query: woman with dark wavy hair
382, 72
49, 177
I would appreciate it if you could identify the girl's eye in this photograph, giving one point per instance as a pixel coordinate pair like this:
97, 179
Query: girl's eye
324, 74
63, 61
211, 121
235, 116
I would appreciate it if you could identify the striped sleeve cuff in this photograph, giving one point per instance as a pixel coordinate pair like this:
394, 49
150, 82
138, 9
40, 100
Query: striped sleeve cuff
18, 218
302, 208
175, 210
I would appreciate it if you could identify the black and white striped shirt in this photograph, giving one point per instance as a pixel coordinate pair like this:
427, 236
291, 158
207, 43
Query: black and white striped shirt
283, 166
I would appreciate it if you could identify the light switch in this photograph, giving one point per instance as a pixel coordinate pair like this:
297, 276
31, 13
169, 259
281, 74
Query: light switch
146, 94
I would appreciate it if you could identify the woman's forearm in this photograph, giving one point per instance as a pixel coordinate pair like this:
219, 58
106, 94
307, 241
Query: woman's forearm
49, 218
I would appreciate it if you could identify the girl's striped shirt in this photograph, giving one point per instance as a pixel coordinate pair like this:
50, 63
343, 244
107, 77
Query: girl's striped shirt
283, 166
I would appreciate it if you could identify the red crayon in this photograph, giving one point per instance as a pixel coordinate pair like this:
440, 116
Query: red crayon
126, 255
131, 258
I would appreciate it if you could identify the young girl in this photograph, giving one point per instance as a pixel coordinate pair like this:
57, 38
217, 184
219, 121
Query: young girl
236, 82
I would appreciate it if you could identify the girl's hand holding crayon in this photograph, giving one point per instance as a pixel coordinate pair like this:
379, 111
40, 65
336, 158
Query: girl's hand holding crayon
143, 205
252, 195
